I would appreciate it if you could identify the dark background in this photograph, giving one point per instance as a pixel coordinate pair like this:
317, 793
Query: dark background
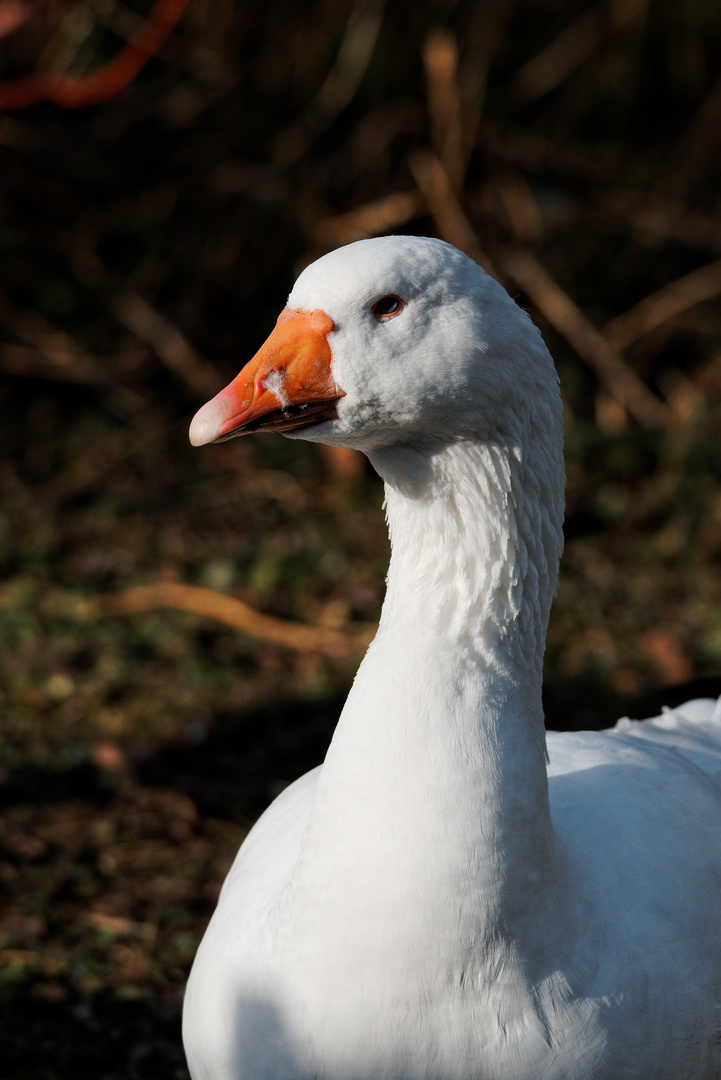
149, 235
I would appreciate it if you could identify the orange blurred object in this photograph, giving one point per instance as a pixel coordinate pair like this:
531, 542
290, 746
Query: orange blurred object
71, 92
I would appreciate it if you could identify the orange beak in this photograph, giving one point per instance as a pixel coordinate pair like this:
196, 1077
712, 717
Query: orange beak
288, 384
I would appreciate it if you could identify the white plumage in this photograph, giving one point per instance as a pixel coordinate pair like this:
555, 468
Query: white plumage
434, 903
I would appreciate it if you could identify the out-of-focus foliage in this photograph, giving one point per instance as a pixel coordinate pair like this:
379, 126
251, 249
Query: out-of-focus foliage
147, 246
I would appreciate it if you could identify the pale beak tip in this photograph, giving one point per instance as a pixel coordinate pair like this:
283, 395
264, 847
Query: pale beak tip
204, 426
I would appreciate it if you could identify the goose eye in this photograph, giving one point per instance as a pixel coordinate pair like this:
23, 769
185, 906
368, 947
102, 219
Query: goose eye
387, 307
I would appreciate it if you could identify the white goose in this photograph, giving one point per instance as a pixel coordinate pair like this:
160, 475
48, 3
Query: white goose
417, 908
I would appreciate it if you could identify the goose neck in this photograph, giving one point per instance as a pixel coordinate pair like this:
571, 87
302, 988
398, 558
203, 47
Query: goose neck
475, 534
442, 742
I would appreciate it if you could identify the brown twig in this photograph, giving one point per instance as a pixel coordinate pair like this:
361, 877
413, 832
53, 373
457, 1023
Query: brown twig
168, 343
696, 147
655, 220
663, 306
340, 85
517, 203
47, 350
440, 58
574, 46
44, 351
214, 605
590, 344
14, 13
373, 218
564, 55
707, 379
443, 204
72, 92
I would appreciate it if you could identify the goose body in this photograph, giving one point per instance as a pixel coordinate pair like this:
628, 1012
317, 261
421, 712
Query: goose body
451, 896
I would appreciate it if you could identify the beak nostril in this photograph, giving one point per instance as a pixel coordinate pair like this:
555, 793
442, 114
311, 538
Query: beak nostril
274, 383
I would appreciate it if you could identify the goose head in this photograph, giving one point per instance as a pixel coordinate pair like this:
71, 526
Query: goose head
397, 341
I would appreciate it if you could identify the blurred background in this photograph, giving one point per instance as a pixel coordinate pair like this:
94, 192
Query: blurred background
180, 627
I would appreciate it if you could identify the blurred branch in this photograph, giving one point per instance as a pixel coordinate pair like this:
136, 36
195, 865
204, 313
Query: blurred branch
440, 58
443, 204
71, 92
168, 343
14, 13
565, 54
590, 344
574, 46
235, 613
664, 305
708, 379
655, 220
517, 203
696, 147
379, 216
340, 85
45, 351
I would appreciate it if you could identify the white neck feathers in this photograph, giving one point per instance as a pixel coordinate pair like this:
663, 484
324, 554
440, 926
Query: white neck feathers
476, 540
435, 784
